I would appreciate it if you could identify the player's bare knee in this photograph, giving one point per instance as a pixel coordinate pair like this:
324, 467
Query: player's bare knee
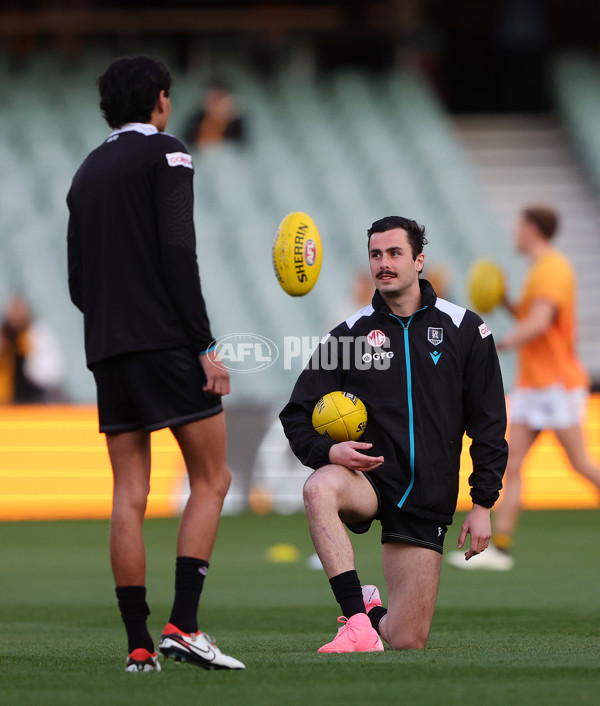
415, 644
130, 500
224, 481
310, 492
318, 489
215, 483
513, 470
408, 642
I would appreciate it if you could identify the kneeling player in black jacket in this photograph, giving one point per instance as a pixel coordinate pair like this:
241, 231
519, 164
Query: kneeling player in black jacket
427, 371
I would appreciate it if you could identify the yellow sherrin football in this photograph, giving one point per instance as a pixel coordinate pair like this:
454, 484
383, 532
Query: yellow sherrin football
340, 415
485, 284
297, 254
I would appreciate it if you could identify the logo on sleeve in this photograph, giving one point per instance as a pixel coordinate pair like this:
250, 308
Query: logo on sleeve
484, 331
179, 159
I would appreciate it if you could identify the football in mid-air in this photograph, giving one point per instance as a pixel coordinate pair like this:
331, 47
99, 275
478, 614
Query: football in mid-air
485, 284
340, 416
297, 254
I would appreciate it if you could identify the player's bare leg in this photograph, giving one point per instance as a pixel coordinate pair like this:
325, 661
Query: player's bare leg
571, 439
334, 495
130, 459
203, 445
506, 515
412, 576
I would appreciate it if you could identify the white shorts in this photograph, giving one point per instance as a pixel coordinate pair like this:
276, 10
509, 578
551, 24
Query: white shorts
547, 407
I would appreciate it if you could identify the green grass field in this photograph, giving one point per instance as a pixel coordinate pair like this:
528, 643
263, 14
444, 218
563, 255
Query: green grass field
530, 636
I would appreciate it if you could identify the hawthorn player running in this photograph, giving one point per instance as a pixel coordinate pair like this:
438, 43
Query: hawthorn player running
134, 275
552, 383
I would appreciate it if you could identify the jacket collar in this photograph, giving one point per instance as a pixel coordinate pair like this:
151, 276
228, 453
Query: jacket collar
428, 298
142, 128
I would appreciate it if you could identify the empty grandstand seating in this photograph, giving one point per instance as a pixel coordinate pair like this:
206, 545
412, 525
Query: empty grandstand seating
577, 90
347, 148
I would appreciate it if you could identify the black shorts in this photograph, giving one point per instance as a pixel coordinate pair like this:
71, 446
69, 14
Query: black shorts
152, 390
400, 526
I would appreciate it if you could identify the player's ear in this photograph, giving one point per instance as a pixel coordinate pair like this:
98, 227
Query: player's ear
162, 101
162, 111
420, 262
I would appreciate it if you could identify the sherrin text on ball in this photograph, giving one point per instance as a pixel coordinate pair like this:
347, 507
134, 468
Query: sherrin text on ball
297, 254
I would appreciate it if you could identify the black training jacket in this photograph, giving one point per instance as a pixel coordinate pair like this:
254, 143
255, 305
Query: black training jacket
132, 261
425, 381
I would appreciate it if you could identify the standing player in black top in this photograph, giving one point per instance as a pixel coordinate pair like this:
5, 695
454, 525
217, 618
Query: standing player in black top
427, 371
133, 273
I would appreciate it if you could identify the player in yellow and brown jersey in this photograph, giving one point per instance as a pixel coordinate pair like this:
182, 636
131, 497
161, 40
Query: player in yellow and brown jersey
552, 384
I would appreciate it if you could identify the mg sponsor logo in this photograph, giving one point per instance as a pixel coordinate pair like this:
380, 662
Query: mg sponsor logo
245, 352
376, 338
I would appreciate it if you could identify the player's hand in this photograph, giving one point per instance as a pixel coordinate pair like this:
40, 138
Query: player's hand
478, 524
507, 304
217, 377
348, 454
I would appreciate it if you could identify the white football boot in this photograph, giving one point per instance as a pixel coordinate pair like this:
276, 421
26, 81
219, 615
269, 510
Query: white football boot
492, 558
196, 648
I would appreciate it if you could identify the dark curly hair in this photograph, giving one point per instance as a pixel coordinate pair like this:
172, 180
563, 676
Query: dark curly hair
129, 89
414, 232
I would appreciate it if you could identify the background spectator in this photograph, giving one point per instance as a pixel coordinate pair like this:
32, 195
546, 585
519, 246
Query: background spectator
30, 360
218, 121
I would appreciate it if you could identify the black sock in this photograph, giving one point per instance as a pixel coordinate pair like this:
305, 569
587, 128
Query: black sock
134, 612
348, 593
375, 616
189, 580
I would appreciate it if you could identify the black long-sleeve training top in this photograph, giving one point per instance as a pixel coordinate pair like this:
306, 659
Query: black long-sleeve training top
133, 270
425, 381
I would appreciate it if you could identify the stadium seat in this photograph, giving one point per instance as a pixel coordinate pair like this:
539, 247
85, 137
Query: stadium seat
347, 148
576, 81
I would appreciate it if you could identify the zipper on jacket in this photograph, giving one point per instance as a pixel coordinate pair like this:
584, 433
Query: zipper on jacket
411, 421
